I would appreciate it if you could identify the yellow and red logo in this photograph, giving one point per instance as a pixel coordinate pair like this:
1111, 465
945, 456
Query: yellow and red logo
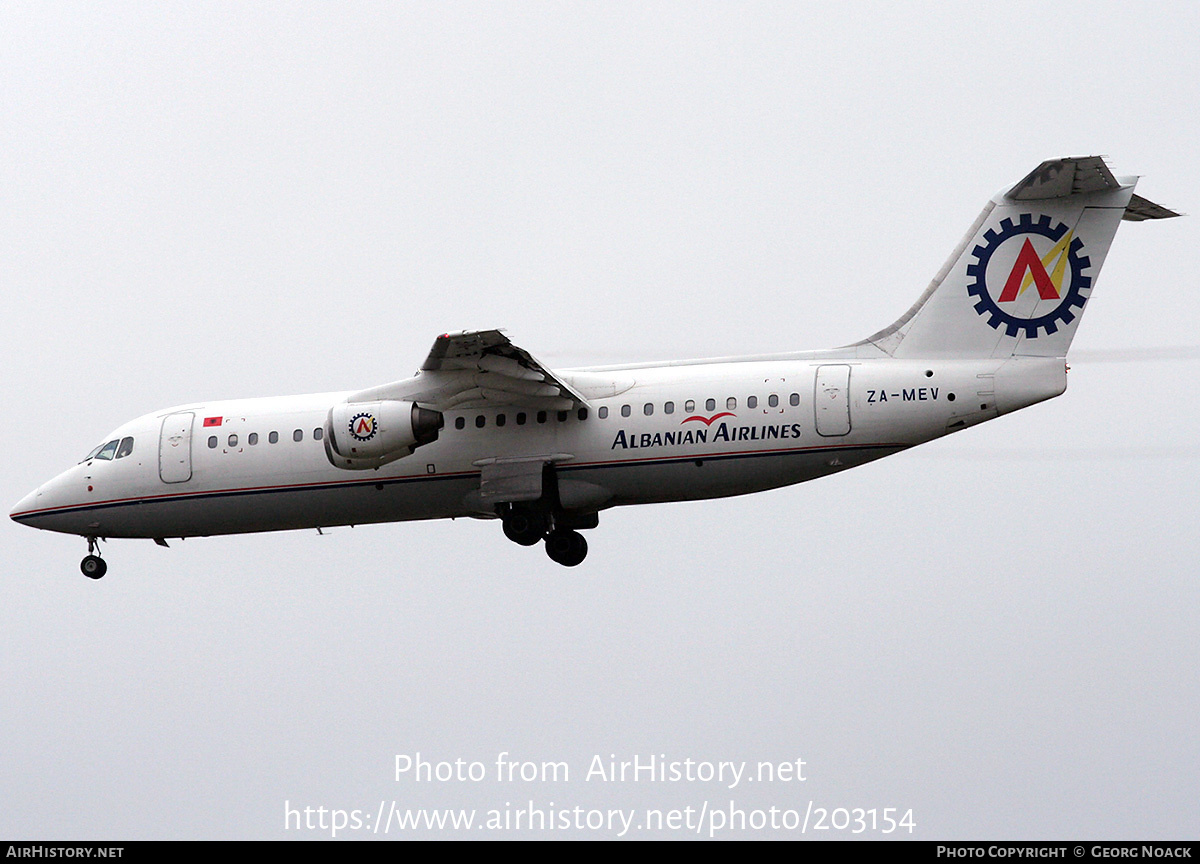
362, 427
1009, 259
1029, 269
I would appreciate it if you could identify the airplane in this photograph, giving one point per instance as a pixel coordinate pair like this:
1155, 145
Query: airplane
485, 430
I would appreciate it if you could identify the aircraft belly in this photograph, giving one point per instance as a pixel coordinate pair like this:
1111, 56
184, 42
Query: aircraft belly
694, 479
244, 512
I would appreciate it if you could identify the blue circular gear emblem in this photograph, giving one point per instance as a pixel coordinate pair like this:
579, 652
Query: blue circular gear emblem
363, 427
1074, 297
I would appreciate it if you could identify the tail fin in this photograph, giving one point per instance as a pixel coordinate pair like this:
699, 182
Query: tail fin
1018, 282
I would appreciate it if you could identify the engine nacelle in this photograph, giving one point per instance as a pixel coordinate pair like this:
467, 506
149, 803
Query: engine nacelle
362, 435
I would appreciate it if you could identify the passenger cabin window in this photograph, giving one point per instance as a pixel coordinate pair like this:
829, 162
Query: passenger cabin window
479, 421
625, 410
318, 434
648, 408
773, 401
582, 414
273, 437
668, 407
501, 419
521, 418
603, 412
298, 435
794, 399
541, 416
212, 442
689, 406
252, 438
460, 422
710, 404
751, 401
107, 451
731, 403
562, 416
232, 440
125, 449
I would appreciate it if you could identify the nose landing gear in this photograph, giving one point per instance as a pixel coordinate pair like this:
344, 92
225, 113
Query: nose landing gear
93, 566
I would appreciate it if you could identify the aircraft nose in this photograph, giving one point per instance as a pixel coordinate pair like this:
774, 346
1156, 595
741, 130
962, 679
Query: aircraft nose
25, 506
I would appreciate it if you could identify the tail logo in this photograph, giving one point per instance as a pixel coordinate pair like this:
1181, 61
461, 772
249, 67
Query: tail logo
1009, 260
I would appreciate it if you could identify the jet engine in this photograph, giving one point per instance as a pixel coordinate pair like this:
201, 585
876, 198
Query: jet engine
362, 435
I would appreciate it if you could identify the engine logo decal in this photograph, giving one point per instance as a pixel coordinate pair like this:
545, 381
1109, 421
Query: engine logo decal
362, 427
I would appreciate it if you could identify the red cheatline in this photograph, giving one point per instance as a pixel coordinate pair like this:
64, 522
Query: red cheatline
212, 421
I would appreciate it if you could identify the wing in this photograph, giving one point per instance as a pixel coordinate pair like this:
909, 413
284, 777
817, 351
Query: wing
480, 368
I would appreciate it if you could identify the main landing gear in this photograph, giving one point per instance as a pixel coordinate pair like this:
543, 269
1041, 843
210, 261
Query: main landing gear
527, 524
567, 548
93, 566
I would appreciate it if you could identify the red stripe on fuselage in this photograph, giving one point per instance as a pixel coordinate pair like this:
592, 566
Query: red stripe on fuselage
324, 484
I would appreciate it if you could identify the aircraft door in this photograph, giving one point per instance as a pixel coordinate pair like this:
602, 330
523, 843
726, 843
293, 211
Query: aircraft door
831, 401
175, 448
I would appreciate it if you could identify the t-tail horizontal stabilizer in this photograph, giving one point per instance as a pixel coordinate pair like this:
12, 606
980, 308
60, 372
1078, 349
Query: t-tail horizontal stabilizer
1020, 279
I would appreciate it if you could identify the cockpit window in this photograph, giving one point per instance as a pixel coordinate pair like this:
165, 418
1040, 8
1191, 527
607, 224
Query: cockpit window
125, 449
107, 451
92, 455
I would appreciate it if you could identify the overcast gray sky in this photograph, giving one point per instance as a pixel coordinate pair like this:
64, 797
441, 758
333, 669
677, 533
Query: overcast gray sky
201, 201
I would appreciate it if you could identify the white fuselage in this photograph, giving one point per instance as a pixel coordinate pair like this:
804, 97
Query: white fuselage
640, 439
484, 429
